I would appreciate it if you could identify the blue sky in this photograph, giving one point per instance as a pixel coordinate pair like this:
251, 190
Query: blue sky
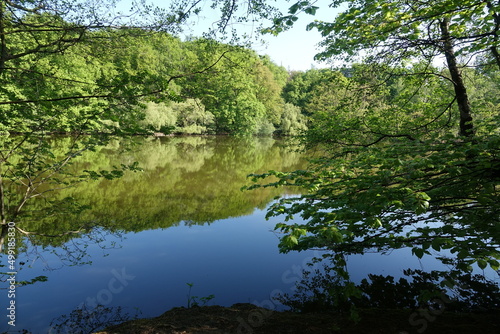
293, 49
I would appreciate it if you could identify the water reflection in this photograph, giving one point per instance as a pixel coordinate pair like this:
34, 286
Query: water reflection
186, 179
182, 219
193, 180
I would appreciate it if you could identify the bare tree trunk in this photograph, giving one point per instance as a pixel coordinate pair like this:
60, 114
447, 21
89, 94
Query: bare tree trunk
466, 126
496, 17
3, 235
3, 44
496, 55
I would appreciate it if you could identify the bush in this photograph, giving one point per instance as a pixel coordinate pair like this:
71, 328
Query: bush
159, 117
264, 128
293, 122
192, 118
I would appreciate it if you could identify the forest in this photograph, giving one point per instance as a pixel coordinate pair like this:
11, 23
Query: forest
134, 81
400, 117
59, 77
200, 86
406, 117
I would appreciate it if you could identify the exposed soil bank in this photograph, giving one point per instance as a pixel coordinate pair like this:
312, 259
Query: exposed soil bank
248, 318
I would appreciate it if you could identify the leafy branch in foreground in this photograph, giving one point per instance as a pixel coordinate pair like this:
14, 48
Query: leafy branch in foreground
412, 157
439, 195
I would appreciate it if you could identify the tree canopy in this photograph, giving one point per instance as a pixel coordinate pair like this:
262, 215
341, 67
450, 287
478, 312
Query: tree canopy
85, 69
411, 154
408, 122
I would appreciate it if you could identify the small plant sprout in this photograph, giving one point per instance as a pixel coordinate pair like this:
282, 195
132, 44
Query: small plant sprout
195, 301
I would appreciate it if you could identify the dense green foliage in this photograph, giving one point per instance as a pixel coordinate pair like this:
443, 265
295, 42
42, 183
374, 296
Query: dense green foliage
130, 79
154, 83
396, 173
408, 124
412, 150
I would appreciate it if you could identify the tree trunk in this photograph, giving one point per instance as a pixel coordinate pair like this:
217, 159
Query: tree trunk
3, 234
466, 126
3, 44
496, 55
496, 17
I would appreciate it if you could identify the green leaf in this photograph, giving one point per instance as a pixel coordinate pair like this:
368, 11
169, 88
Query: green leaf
463, 254
311, 10
436, 244
294, 8
494, 264
482, 264
419, 252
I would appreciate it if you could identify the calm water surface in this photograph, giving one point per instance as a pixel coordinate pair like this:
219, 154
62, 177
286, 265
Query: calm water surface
182, 220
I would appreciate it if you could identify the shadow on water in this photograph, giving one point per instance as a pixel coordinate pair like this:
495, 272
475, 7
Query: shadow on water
184, 182
134, 242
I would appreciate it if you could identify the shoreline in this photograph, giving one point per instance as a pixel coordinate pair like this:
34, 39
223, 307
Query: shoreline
249, 318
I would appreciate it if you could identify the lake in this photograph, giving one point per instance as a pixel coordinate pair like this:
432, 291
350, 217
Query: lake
183, 220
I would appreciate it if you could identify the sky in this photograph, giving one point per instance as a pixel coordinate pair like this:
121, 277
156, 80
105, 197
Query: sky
293, 49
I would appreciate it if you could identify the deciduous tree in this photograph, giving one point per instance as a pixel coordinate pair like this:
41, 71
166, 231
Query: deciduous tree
406, 166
